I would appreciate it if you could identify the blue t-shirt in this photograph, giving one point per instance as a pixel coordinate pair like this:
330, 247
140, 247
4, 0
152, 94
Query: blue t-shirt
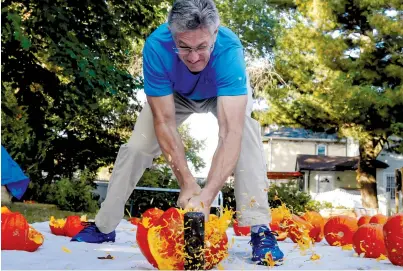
164, 72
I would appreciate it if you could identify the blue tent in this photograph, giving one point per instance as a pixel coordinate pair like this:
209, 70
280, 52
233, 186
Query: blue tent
12, 176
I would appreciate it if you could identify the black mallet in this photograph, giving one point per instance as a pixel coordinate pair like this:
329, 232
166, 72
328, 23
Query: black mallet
194, 241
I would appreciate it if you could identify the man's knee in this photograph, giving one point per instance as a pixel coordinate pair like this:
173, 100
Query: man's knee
143, 146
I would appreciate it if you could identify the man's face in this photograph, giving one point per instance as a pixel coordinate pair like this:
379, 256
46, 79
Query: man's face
201, 42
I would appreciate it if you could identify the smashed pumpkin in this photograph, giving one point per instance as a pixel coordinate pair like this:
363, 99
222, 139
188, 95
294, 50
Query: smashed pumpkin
339, 230
317, 222
363, 220
162, 240
299, 229
393, 236
241, 230
277, 216
5, 210
67, 227
134, 220
378, 219
368, 239
149, 219
17, 234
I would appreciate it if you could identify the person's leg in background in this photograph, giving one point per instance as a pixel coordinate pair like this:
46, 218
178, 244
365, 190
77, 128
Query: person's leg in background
131, 162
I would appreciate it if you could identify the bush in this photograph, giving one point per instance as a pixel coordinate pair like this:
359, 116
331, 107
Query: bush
314, 205
75, 195
143, 200
229, 196
289, 194
158, 177
69, 194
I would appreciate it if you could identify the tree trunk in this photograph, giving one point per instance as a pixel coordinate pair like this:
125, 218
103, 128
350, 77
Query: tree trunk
369, 195
366, 174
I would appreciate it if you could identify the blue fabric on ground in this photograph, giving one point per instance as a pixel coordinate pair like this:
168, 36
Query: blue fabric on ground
12, 175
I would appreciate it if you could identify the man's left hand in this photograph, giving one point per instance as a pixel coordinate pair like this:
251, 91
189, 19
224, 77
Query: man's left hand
200, 203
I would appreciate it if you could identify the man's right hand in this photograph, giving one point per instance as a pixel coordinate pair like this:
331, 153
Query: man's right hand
188, 191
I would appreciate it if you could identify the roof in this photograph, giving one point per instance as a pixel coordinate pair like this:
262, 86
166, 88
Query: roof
283, 175
331, 163
300, 133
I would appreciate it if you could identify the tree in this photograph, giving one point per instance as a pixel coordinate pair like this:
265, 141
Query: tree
160, 175
341, 62
68, 98
252, 21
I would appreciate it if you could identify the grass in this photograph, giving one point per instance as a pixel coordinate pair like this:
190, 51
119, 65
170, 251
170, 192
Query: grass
39, 212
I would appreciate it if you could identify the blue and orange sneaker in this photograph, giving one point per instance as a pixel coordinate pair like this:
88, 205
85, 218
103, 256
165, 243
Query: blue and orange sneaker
265, 249
91, 234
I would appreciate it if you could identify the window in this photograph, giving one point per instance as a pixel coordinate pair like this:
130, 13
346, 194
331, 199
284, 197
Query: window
390, 184
321, 149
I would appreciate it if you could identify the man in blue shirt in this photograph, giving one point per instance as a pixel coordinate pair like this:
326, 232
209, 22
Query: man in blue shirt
194, 65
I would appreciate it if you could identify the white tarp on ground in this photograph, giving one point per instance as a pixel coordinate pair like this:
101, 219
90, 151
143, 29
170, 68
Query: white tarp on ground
58, 253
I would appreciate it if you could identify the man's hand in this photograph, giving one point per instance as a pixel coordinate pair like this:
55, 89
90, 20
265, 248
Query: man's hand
189, 190
201, 203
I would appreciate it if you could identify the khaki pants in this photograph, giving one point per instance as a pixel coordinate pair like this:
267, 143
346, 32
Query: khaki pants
137, 155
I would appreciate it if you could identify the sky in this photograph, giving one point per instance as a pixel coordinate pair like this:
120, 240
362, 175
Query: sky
202, 127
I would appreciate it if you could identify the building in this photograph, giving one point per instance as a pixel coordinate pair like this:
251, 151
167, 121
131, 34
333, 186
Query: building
325, 166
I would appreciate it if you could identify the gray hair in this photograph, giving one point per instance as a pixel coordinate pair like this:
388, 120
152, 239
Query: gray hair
188, 15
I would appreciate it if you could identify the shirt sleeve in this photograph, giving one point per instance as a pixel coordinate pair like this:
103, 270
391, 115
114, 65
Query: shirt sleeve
231, 73
156, 81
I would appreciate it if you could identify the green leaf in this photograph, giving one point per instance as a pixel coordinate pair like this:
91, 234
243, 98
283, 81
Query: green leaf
25, 43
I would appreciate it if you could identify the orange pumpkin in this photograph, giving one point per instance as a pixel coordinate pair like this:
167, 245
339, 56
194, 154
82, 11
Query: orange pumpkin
165, 240
5, 210
240, 230
216, 253
153, 213
368, 239
149, 219
317, 222
339, 230
298, 228
14, 229
57, 226
379, 219
16, 234
67, 227
277, 217
34, 241
282, 236
393, 235
363, 220
73, 225
172, 229
134, 220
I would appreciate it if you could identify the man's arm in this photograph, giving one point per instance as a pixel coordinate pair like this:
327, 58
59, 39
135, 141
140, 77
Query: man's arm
171, 145
231, 119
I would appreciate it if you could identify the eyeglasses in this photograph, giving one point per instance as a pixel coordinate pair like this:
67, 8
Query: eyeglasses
198, 50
